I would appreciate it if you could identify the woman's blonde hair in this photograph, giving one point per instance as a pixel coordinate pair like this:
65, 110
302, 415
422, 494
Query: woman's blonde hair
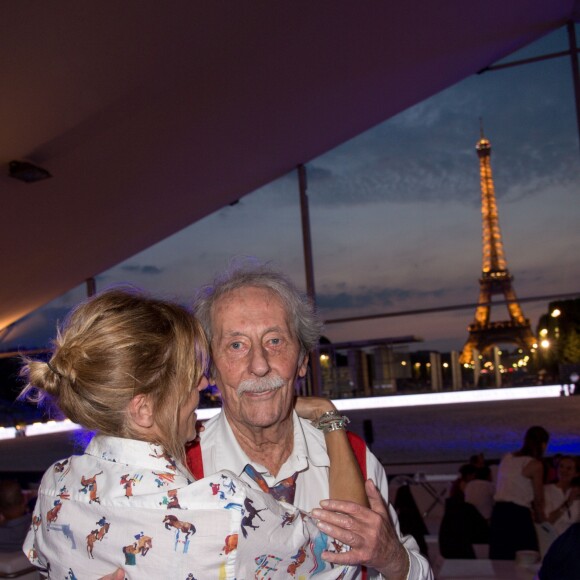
116, 345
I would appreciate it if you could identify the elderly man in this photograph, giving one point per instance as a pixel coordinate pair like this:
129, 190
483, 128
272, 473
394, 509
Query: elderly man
261, 331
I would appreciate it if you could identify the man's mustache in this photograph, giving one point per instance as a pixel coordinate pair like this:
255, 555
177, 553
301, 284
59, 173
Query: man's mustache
261, 384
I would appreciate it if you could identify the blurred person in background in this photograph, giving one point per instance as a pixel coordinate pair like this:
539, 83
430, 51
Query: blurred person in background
519, 497
480, 491
562, 499
15, 518
466, 474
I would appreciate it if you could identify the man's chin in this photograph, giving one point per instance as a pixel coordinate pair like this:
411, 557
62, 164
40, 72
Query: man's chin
258, 413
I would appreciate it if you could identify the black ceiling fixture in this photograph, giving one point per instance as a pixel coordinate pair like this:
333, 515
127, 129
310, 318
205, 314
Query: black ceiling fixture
27, 172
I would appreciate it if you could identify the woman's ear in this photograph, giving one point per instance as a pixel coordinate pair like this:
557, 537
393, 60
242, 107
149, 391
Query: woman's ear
141, 411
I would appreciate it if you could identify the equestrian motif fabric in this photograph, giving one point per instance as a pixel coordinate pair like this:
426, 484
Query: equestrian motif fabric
283, 491
127, 503
309, 459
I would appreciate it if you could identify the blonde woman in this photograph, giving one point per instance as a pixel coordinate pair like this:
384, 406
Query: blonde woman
130, 368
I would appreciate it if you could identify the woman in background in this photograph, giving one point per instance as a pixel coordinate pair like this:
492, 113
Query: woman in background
519, 498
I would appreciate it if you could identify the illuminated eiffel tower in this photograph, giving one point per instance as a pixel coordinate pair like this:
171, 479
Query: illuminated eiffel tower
495, 277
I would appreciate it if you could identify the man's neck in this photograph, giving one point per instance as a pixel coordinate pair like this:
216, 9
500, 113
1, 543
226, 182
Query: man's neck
268, 446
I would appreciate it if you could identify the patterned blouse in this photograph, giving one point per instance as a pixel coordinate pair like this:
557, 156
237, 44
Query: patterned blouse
127, 503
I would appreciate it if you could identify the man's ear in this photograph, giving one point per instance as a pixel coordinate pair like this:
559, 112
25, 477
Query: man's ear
141, 411
303, 367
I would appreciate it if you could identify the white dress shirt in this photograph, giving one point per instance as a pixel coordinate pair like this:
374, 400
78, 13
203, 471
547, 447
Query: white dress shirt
125, 503
554, 497
309, 457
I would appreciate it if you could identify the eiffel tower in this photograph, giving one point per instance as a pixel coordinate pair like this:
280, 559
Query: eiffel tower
495, 277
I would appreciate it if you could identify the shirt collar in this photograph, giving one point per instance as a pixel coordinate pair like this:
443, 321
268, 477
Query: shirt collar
130, 451
308, 448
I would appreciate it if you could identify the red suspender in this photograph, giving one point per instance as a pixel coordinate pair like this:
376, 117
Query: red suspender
360, 451
194, 460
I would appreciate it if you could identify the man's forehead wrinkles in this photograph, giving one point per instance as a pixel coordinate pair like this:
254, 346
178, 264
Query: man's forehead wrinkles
234, 332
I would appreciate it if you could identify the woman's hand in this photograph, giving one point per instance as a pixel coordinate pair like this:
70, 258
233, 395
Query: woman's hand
311, 408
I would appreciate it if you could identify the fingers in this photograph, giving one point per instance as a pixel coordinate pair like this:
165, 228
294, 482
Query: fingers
344, 536
341, 518
339, 505
118, 574
353, 530
341, 558
376, 502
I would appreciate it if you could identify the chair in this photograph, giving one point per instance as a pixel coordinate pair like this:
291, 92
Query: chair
17, 565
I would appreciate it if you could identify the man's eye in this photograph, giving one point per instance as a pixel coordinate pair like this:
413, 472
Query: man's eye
236, 345
275, 341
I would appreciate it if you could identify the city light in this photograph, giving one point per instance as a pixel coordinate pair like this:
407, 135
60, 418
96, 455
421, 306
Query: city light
545, 343
504, 394
555, 313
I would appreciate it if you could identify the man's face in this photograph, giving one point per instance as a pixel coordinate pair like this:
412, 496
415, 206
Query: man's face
256, 357
566, 470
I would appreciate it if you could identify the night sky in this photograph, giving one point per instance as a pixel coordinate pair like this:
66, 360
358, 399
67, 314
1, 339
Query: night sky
395, 214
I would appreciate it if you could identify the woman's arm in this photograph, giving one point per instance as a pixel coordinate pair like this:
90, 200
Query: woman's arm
556, 514
554, 509
345, 478
534, 470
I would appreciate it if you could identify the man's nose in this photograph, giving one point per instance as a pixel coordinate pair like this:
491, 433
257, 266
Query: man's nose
259, 364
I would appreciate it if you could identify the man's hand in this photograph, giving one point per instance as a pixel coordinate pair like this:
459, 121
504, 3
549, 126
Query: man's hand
118, 574
369, 533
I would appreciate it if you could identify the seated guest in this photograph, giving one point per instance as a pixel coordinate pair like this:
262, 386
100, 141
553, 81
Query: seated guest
466, 474
479, 492
519, 499
14, 516
461, 527
410, 518
477, 460
131, 368
563, 497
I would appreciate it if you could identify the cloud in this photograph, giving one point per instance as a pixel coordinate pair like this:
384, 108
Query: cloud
147, 269
365, 298
427, 153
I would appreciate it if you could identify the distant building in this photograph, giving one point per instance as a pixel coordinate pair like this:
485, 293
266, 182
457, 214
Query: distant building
366, 367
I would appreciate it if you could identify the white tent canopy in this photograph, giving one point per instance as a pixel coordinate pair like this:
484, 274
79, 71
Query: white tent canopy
151, 115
